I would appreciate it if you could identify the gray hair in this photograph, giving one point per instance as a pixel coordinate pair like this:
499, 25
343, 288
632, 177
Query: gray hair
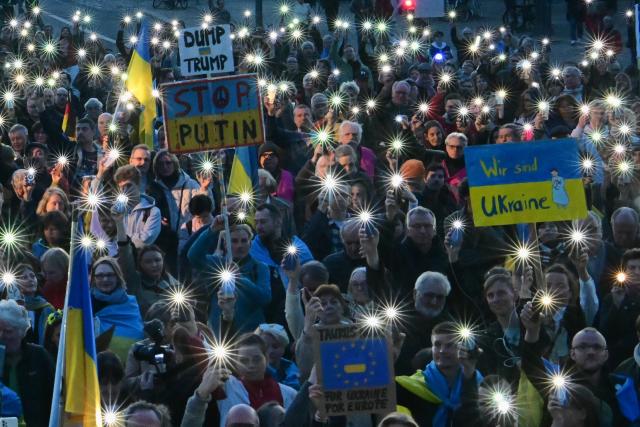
93, 102
570, 69
345, 150
17, 178
429, 277
591, 216
625, 210
317, 98
349, 86
461, 136
421, 210
357, 270
19, 128
15, 315
357, 125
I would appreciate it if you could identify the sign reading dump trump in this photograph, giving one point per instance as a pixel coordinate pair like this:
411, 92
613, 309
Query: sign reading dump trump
355, 368
212, 114
206, 50
525, 182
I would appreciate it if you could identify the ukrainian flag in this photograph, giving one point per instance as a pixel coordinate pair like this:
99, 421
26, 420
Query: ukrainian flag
140, 84
81, 373
244, 170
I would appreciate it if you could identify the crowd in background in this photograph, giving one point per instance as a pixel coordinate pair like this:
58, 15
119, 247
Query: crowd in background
361, 120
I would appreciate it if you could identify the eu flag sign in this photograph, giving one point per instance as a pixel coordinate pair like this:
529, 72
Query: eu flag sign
355, 367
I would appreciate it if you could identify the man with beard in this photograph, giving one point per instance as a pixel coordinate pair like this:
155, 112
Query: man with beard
269, 247
429, 309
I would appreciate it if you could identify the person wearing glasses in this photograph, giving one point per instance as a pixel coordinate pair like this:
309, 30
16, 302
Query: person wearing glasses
113, 307
588, 358
453, 163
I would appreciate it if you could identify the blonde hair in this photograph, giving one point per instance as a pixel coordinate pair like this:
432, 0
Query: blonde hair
113, 263
53, 191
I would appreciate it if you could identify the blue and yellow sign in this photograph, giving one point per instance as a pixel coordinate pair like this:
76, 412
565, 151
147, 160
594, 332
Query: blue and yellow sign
525, 182
355, 370
211, 114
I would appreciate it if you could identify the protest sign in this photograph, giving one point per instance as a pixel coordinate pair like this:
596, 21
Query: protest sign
206, 50
525, 182
355, 368
212, 114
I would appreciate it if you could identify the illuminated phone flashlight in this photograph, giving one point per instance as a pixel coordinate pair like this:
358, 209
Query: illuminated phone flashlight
13, 23
524, 65
367, 26
534, 55
283, 9
86, 241
452, 14
621, 277
629, 13
207, 166
111, 417
386, 68
246, 198
502, 30
62, 160
555, 73
316, 20
501, 403
545, 41
8, 278
426, 32
383, 57
227, 281
126, 19
613, 100
397, 180
559, 383
445, 78
241, 216
370, 104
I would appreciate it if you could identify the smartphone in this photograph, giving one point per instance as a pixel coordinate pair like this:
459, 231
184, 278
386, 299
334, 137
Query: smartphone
9, 422
456, 237
290, 261
368, 228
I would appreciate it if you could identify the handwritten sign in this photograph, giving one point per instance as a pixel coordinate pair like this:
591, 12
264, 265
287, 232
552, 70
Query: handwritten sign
525, 182
355, 369
206, 50
212, 114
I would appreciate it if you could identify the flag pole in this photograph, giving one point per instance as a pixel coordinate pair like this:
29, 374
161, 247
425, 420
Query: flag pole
57, 403
227, 232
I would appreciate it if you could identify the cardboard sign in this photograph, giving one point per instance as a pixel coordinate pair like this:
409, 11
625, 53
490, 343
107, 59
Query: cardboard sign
525, 182
212, 114
355, 368
206, 50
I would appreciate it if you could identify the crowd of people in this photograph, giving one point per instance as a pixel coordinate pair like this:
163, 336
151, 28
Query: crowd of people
361, 204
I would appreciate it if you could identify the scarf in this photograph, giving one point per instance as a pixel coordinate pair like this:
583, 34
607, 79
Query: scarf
55, 293
118, 296
450, 398
261, 392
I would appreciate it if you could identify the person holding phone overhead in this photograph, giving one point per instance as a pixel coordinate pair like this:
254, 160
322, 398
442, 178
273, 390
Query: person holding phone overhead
238, 304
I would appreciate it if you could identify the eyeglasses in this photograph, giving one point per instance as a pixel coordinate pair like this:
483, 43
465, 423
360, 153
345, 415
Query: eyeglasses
456, 147
594, 347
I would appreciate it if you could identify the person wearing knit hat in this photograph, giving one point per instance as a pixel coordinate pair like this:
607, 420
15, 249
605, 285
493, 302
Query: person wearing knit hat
282, 370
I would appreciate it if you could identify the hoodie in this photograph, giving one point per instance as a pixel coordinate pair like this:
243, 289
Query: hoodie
143, 222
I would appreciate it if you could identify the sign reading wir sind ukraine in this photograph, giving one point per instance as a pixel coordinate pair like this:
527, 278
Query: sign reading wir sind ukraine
525, 182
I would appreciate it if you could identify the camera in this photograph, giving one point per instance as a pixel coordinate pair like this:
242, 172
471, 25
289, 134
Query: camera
156, 354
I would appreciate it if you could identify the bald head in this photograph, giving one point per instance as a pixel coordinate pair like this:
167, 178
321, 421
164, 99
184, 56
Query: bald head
589, 350
242, 414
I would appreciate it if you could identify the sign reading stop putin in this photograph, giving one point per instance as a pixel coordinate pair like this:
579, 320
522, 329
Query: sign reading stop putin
212, 114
